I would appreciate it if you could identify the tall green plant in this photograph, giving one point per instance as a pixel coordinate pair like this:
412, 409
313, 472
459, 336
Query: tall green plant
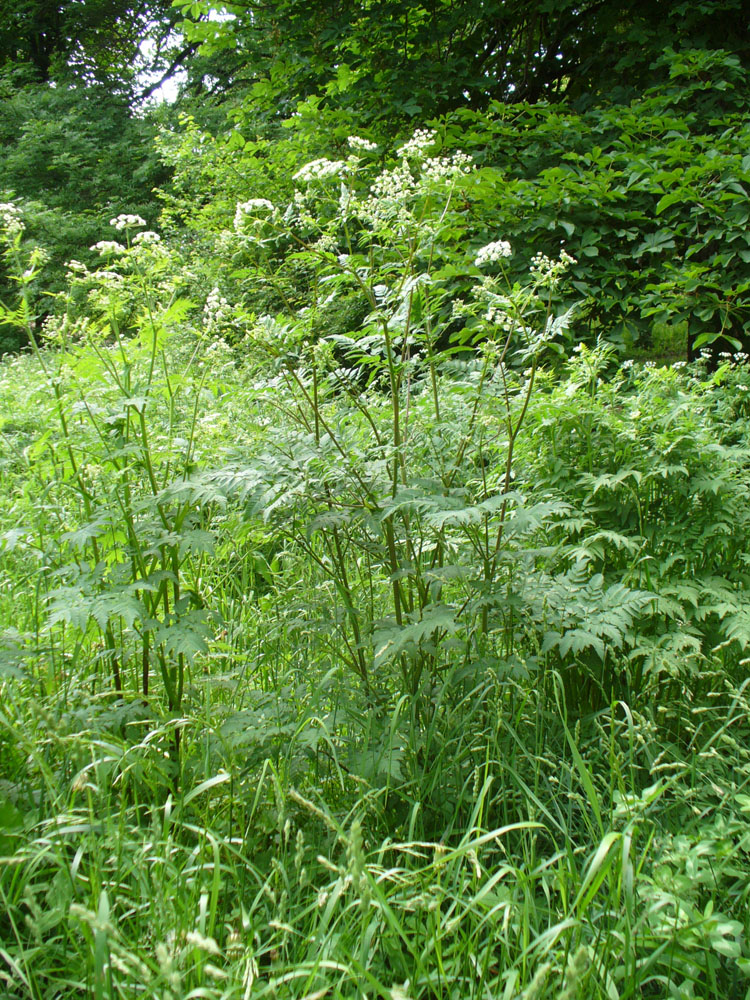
126, 559
392, 482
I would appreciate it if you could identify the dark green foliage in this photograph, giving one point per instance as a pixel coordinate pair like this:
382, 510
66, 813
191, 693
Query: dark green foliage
95, 42
394, 61
72, 156
651, 198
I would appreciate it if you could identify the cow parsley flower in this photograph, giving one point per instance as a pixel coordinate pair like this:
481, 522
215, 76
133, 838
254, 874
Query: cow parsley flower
548, 272
121, 222
362, 145
421, 141
108, 248
492, 252
393, 185
319, 170
75, 269
146, 238
255, 207
438, 168
216, 308
10, 218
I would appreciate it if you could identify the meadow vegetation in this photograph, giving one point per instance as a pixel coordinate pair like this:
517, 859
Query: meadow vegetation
372, 624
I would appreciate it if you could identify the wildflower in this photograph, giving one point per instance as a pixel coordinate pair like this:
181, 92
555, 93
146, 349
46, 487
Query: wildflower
364, 145
255, 206
492, 252
108, 248
345, 199
438, 168
10, 218
216, 308
388, 194
326, 243
422, 139
121, 222
147, 237
319, 170
547, 271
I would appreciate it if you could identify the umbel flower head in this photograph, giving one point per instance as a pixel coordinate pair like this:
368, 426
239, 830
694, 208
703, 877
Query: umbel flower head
107, 248
255, 207
121, 222
492, 252
319, 170
10, 218
419, 143
359, 144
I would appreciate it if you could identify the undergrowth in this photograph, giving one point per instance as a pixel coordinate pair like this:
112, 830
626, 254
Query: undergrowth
405, 663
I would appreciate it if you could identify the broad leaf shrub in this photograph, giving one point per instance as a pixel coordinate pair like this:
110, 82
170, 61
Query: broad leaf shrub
649, 196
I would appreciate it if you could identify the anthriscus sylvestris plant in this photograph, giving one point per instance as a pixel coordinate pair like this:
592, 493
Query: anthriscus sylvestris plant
393, 472
124, 568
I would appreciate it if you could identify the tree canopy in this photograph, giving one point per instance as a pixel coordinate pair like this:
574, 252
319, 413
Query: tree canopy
396, 59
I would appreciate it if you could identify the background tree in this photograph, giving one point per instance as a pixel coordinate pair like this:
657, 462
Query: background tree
394, 59
74, 146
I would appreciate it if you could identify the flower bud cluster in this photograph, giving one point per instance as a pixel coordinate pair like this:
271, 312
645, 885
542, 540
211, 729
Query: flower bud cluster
121, 222
492, 252
548, 272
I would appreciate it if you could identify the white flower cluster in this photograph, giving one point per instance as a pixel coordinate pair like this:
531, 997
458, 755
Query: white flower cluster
216, 308
319, 170
326, 243
438, 168
421, 141
254, 206
503, 313
10, 218
548, 272
492, 252
107, 248
357, 143
393, 185
75, 270
389, 194
121, 222
146, 238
